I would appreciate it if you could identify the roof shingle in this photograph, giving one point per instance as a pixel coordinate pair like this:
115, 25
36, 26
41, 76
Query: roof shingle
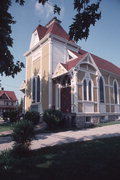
55, 28
101, 63
10, 94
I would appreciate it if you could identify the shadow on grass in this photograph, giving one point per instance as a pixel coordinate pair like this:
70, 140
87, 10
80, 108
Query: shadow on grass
97, 159
51, 139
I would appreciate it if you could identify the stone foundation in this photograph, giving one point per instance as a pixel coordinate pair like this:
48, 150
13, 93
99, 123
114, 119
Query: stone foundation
88, 121
95, 119
80, 121
113, 117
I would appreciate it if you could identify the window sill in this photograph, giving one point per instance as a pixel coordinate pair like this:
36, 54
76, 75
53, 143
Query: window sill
35, 103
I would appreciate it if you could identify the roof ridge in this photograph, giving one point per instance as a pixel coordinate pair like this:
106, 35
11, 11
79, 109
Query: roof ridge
54, 19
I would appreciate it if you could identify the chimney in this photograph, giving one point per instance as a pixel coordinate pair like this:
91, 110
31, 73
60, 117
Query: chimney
2, 88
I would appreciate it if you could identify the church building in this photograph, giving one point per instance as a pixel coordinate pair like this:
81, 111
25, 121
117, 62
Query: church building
61, 75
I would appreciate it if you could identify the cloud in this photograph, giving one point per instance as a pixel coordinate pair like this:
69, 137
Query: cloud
46, 10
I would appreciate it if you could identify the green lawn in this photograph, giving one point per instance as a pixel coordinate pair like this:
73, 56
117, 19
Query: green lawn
6, 127
108, 123
97, 159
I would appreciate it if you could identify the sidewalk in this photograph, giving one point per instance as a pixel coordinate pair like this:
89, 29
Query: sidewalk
51, 139
6, 132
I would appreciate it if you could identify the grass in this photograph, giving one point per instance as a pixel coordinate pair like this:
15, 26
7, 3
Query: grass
97, 159
6, 127
108, 123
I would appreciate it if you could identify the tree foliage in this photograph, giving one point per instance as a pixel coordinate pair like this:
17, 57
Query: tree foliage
87, 13
7, 64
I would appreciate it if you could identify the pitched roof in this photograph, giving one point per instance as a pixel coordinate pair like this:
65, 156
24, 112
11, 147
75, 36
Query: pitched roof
106, 65
69, 65
10, 94
41, 31
53, 28
101, 63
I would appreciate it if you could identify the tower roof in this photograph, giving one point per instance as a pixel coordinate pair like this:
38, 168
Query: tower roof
53, 27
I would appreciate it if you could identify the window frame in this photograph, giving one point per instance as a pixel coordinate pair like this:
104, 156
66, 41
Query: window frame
101, 90
85, 90
116, 101
88, 90
35, 91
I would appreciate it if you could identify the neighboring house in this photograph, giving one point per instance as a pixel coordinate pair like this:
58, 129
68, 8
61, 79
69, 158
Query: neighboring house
60, 74
8, 101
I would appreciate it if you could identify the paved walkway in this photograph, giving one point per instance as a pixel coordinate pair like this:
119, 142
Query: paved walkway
51, 139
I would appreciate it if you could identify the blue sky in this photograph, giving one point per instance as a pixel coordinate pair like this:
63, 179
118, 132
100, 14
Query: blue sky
103, 41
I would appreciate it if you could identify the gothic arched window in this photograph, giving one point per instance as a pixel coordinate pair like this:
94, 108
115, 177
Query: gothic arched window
101, 88
38, 89
115, 93
85, 89
90, 90
33, 89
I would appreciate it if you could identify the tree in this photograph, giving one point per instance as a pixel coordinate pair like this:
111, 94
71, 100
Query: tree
7, 64
87, 14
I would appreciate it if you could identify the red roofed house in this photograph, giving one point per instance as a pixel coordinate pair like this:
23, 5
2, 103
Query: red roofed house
60, 74
8, 101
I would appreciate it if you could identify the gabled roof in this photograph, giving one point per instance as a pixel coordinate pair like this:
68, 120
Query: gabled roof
53, 28
101, 63
106, 65
10, 94
69, 65
41, 31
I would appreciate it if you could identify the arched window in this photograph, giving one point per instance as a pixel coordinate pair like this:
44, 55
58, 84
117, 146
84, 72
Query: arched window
38, 89
34, 89
90, 90
85, 89
101, 88
115, 93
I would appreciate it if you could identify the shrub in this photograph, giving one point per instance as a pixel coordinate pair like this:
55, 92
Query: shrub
34, 117
5, 116
5, 161
53, 118
23, 133
13, 116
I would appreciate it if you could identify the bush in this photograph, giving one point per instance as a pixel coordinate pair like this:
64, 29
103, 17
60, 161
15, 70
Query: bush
5, 116
13, 116
23, 133
53, 118
5, 161
34, 117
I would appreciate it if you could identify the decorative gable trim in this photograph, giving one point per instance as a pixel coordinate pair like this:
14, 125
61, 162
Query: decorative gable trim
88, 60
60, 70
73, 56
5, 94
76, 67
94, 64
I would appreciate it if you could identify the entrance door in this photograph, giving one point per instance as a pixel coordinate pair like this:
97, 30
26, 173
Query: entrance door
66, 99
